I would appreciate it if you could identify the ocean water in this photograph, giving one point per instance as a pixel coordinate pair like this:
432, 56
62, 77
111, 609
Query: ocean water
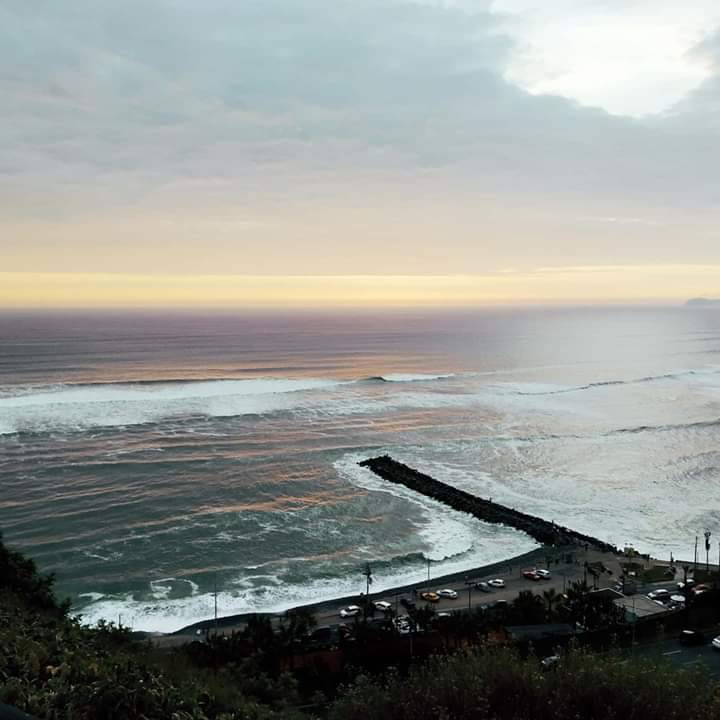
148, 458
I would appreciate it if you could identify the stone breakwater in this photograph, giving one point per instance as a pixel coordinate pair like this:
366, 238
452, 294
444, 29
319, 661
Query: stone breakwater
545, 532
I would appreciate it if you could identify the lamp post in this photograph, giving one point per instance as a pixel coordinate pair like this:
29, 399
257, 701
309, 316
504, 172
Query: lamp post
215, 596
368, 579
708, 534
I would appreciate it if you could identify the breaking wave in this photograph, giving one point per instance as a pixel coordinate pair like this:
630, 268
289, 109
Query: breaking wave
699, 425
79, 407
612, 383
409, 377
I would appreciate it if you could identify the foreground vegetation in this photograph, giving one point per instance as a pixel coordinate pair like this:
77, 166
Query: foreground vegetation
500, 685
53, 668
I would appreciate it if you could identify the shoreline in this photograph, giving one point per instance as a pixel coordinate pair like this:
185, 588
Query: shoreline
532, 557
553, 540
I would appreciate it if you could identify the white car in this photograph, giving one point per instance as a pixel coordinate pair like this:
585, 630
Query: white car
447, 593
350, 611
661, 594
716, 643
382, 605
544, 574
496, 583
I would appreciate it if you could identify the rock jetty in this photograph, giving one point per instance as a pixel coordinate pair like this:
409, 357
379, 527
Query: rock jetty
544, 531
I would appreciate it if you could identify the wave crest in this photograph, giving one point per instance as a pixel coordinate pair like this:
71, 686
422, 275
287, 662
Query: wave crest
409, 377
80, 407
611, 383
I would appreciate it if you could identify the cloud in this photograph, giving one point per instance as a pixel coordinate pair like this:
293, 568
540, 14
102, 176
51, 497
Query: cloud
630, 57
315, 114
699, 111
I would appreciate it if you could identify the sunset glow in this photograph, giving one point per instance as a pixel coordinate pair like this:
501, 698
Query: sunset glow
554, 285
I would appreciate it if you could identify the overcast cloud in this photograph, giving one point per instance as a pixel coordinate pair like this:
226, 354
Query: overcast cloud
516, 119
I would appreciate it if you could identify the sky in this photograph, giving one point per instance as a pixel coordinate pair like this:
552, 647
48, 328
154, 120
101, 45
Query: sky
318, 152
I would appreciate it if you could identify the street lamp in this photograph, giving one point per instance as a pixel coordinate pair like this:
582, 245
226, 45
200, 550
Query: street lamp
707, 550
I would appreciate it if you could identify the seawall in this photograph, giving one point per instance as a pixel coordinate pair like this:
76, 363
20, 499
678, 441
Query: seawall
544, 531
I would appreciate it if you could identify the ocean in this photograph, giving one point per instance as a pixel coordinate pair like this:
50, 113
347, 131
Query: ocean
150, 458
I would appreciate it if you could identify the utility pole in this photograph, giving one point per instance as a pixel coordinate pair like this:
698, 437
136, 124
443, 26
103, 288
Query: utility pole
428, 570
695, 562
469, 598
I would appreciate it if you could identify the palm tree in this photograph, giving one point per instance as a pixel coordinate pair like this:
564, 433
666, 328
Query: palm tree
552, 598
527, 608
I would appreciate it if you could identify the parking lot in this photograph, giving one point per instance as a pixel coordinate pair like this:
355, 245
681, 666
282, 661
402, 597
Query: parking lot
468, 596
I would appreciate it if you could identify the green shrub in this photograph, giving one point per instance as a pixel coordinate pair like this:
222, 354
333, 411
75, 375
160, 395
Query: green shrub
499, 685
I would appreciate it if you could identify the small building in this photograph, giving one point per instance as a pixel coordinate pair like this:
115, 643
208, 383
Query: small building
638, 607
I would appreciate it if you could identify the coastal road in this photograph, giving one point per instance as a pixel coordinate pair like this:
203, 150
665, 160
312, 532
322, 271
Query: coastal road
683, 656
562, 575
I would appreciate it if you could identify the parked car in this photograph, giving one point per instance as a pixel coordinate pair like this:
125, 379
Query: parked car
496, 583
344, 631
350, 611
549, 662
483, 586
700, 589
382, 605
691, 637
687, 585
677, 601
430, 596
716, 643
660, 594
447, 593
499, 605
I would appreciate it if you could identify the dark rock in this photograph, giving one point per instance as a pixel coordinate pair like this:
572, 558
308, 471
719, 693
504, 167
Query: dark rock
545, 532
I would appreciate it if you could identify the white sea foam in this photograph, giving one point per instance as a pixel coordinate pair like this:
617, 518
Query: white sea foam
415, 377
80, 407
455, 542
169, 615
161, 589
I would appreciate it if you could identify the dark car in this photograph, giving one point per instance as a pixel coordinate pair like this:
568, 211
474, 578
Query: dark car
499, 605
408, 604
691, 637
